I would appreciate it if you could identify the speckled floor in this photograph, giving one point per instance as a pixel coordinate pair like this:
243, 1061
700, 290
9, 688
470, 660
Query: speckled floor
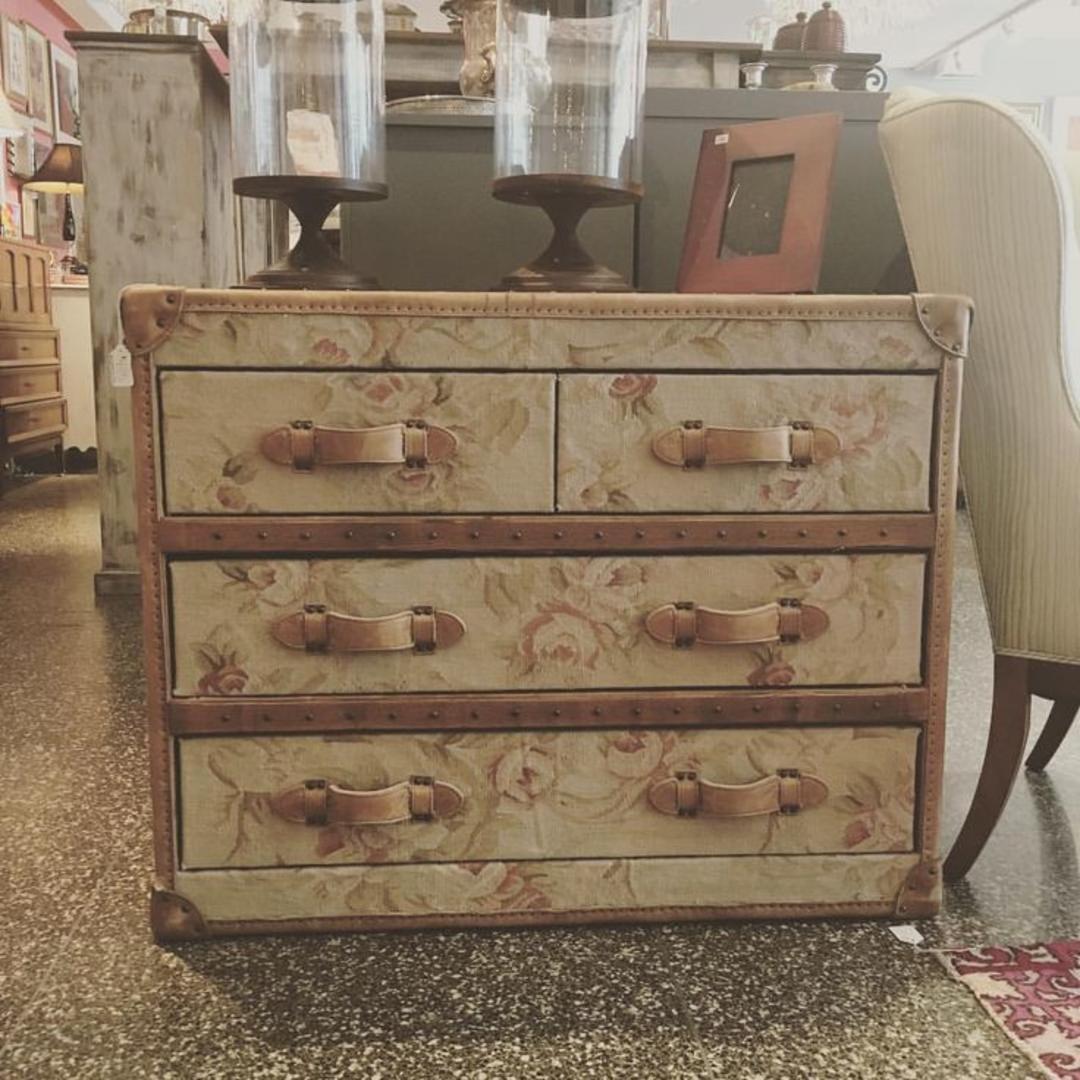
85, 993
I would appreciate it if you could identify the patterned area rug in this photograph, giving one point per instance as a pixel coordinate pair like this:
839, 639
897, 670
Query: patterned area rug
1034, 995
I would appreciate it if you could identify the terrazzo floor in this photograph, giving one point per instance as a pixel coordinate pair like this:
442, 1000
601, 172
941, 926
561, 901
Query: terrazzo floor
84, 992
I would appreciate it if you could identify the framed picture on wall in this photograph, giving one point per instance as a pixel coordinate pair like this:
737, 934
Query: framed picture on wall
39, 79
65, 93
13, 42
760, 207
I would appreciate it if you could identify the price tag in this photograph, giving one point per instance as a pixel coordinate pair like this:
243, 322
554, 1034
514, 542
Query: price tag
907, 934
120, 373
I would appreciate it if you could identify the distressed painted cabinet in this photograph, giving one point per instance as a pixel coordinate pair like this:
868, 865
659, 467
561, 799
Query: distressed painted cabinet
486, 609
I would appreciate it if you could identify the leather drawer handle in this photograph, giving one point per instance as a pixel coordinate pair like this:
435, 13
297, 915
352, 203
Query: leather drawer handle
414, 443
789, 791
692, 445
317, 629
319, 802
684, 624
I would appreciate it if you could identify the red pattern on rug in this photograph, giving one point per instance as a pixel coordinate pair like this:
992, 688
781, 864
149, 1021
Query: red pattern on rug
1034, 995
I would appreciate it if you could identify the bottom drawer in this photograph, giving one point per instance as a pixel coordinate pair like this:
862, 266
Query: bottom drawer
448, 797
527, 893
35, 420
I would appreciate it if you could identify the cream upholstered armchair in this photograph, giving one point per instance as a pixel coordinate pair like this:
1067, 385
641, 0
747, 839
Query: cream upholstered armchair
988, 212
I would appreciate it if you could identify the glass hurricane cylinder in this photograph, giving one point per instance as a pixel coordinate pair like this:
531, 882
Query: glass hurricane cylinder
569, 104
308, 120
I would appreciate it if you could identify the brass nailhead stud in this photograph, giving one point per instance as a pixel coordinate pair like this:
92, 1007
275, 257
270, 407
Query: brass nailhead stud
556, 712
877, 704
836, 708
722, 534
804, 532
517, 534
216, 535
309, 718
757, 708
349, 534
639, 533
224, 719
841, 532
599, 534
515, 712
559, 534
676, 710
637, 712
170, 298
596, 712
763, 533
392, 716
433, 535
350, 716
682, 534
434, 714
262, 534
474, 535
391, 535
475, 715
718, 709
162, 323
795, 707
266, 718
305, 535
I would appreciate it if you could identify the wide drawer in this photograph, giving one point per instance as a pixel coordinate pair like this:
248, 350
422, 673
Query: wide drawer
304, 800
28, 383
28, 345
745, 443
336, 442
37, 420
348, 626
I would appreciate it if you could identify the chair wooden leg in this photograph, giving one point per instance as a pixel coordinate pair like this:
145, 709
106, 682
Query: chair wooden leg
1057, 727
1009, 722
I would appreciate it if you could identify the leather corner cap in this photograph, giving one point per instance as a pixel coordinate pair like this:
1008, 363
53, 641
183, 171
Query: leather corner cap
174, 917
946, 320
149, 314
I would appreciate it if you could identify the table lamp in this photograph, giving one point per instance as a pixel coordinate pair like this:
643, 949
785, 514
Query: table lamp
61, 173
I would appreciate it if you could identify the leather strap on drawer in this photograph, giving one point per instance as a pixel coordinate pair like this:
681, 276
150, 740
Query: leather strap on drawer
787, 792
684, 624
318, 802
303, 445
692, 445
317, 629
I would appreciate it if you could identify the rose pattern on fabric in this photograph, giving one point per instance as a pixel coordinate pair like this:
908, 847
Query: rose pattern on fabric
223, 672
539, 795
607, 427
1032, 993
556, 623
504, 458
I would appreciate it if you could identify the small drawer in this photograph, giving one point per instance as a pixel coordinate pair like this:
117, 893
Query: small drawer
28, 345
745, 443
38, 420
514, 796
355, 442
303, 800
24, 384
353, 626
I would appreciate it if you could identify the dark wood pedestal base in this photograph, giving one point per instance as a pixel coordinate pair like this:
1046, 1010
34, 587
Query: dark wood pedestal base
312, 263
565, 266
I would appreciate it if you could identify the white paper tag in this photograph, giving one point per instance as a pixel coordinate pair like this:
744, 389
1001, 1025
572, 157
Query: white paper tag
120, 373
312, 143
721, 140
907, 934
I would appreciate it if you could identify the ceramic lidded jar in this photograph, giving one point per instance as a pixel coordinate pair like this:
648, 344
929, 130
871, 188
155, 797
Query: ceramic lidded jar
826, 32
791, 36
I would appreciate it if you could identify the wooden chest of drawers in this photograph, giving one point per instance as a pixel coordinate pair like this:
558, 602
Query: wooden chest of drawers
487, 609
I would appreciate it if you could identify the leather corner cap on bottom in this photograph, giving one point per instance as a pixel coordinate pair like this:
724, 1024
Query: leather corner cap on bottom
173, 917
946, 320
149, 314
920, 895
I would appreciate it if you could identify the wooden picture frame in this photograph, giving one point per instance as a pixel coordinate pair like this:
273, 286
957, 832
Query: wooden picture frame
16, 81
760, 207
39, 105
65, 81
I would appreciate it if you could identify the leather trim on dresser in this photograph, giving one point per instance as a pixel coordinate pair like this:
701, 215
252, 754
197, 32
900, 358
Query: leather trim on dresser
421, 712
947, 321
547, 534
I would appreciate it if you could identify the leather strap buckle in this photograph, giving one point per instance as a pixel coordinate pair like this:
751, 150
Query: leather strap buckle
790, 620
424, 629
316, 628
316, 808
415, 433
685, 624
302, 445
790, 791
422, 798
693, 440
802, 444
687, 793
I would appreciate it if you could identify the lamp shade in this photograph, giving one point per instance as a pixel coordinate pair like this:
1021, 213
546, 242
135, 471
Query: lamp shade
61, 172
10, 125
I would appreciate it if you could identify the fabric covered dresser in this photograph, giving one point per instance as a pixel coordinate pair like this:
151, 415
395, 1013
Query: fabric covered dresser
489, 609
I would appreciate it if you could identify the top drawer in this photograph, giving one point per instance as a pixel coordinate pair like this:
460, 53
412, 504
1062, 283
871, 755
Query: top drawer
758, 443
231, 444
